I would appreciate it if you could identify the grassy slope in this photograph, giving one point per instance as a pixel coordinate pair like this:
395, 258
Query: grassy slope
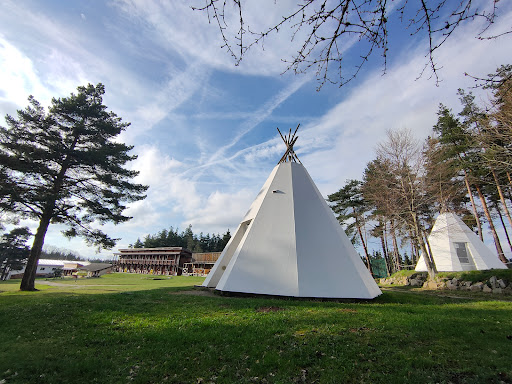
473, 276
134, 329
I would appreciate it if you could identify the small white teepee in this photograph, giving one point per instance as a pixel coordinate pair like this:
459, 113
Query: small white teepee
455, 247
290, 244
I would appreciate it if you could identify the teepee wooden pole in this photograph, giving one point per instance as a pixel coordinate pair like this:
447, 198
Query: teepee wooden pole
281, 134
289, 140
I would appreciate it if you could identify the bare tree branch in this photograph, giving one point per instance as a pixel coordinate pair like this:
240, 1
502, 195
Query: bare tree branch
332, 27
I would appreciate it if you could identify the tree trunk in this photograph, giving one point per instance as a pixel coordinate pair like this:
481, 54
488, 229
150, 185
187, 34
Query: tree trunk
475, 213
502, 197
396, 255
5, 272
491, 225
509, 195
368, 264
504, 226
420, 243
413, 256
29, 276
430, 254
385, 251
414, 250
427, 256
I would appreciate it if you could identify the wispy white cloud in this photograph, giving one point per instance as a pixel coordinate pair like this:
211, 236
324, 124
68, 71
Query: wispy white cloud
261, 114
337, 146
212, 182
220, 211
176, 199
346, 136
18, 78
165, 99
179, 28
68, 57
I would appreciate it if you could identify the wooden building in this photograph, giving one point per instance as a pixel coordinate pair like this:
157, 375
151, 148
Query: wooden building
156, 261
201, 263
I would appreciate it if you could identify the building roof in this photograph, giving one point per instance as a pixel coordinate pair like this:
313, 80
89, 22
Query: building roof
60, 263
94, 267
152, 251
50, 262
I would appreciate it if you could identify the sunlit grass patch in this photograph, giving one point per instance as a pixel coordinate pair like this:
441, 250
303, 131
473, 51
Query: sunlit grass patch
116, 282
142, 334
476, 276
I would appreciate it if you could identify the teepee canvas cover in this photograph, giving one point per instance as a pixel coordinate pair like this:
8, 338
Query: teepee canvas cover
290, 244
455, 247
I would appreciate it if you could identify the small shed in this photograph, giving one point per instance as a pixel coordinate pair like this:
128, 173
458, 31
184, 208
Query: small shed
71, 267
96, 269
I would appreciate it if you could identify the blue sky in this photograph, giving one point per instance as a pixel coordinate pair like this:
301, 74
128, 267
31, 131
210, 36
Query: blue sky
205, 129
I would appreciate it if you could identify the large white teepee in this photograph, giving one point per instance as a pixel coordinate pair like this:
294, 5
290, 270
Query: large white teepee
455, 247
290, 244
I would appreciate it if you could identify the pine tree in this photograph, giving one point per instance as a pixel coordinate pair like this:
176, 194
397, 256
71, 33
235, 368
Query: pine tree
13, 251
350, 208
456, 144
225, 239
67, 167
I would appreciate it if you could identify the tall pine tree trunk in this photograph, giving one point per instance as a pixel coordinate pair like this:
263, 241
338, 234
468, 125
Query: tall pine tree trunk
504, 226
28, 280
491, 226
368, 264
502, 197
475, 212
29, 276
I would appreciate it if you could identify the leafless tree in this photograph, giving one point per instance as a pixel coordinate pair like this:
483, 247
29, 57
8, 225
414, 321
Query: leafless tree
378, 189
411, 206
331, 26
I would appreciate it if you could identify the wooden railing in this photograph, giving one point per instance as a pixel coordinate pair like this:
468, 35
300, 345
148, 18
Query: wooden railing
206, 257
147, 262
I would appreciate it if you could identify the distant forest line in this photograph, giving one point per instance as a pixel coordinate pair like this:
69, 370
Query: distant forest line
54, 253
187, 239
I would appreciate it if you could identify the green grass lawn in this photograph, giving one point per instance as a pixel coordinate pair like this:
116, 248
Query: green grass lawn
473, 276
116, 282
124, 328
